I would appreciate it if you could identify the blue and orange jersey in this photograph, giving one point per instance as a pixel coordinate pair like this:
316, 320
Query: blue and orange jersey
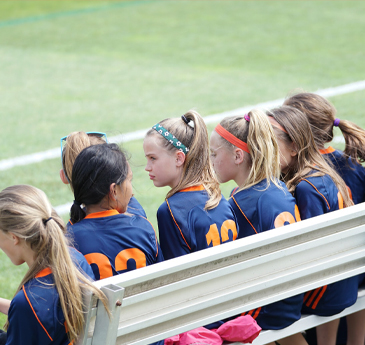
261, 208
134, 207
114, 243
315, 196
352, 172
186, 227
35, 314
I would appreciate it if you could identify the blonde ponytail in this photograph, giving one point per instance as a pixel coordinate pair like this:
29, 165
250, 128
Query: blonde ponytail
26, 212
197, 166
262, 144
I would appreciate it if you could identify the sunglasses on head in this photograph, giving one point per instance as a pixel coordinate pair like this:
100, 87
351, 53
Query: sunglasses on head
63, 144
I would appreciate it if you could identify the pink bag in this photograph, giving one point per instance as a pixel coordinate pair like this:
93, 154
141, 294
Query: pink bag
243, 329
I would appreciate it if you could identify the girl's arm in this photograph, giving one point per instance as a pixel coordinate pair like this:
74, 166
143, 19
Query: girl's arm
4, 305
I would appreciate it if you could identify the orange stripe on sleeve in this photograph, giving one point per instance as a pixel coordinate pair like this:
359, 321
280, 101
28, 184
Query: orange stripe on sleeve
168, 205
243, 213
328, 205
36, 316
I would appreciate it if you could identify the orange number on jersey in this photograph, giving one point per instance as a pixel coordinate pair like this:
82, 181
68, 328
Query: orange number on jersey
132, 253
340, 200
102, 261
213, 234
282, 218
105, 268
227, 225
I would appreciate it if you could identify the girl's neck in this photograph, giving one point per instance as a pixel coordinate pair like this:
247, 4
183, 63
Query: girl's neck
104, 205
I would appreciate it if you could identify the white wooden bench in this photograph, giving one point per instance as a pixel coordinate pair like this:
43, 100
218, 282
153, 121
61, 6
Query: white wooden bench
181, 294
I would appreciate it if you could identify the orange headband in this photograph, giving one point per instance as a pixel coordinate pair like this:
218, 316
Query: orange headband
274, 123
231, 138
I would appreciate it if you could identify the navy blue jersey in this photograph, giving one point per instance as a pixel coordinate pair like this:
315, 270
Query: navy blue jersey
353, 173
258, 209
35, 313
315, 196
134, 207
114, 243
261, 208
185, 226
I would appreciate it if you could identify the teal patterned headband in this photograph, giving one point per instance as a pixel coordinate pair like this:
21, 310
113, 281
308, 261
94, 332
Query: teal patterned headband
171, 138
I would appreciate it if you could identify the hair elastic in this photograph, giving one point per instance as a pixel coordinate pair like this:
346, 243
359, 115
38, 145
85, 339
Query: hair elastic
171, 138
231, 138
247, 117
45, 221
274, 123
336, 122
185, 119
77, 203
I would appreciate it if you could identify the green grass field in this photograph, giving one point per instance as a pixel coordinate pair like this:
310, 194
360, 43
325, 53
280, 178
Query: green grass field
120, 66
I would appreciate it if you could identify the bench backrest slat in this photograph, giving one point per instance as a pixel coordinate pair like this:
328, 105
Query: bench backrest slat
187, 292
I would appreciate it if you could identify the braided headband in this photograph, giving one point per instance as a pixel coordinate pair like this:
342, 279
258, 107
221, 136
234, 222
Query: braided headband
171, 138
274, 123
231, 138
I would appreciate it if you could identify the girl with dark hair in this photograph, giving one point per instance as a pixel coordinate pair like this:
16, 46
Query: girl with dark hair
318, 189
72, 145
111, 240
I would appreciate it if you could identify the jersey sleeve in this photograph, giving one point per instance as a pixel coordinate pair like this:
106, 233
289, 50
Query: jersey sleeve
134, 207
171, 240
310, 202
23, 325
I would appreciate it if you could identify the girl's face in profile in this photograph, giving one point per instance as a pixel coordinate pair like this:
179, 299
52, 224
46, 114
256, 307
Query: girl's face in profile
223, 159
163, 166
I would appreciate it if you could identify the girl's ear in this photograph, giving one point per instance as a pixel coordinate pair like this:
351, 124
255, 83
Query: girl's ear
63, 177
15, 238
112, 192
238, 156
180, 158
294, 149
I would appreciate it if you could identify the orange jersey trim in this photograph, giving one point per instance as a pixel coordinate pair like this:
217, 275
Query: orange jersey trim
102, 214
193, 189
243, 213
36, 316
168, 205
318, 192
44, 272
329, 149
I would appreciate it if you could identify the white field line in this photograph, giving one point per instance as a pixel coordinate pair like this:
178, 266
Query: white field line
6, 164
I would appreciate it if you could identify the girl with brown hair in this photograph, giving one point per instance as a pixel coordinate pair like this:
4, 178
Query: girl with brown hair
318, 189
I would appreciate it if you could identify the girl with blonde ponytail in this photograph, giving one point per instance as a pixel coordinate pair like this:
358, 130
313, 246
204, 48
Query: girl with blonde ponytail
244, 149
194, 215
318, 189
48, 304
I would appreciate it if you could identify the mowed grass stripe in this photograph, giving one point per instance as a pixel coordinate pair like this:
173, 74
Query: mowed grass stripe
76, 12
